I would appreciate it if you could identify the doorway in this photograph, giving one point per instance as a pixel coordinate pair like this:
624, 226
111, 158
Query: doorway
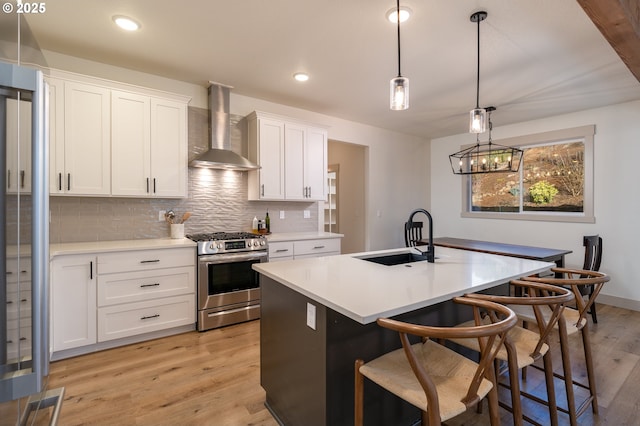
346, 208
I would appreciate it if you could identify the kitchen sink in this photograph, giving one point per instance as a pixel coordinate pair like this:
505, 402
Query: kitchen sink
395, 259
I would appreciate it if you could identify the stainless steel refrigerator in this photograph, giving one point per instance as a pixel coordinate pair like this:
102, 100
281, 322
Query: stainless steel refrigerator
24, 232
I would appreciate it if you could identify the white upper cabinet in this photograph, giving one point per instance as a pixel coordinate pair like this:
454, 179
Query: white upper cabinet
109, 139
169, 171
18, 173
87, 139
266, 147
292, 156
149, 146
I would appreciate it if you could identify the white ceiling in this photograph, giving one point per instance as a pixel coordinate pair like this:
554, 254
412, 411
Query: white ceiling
538, 58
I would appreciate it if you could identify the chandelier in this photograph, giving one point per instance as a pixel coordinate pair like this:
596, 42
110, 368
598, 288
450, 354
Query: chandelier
486, 157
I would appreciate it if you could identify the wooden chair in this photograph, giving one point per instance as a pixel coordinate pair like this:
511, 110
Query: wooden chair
412, 233
437, 380
573, 321
592, 259
522, 347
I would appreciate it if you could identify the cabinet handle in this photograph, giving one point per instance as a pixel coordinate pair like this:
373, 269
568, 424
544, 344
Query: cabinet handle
21, 178
262, 189
281, 250
9, 273
154, 185
318, 247
23, 338
309, 192
8, 178
149, 285
9, 302
91, 270
23, 300
147, 185
59, 181
150, 316
9, 341
150, 261
68, 181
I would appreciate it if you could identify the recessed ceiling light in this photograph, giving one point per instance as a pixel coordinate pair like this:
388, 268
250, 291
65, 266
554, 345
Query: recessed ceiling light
405, 13
126, 23
301, 76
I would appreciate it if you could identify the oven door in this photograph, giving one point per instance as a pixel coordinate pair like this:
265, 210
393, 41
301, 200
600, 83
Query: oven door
228, 279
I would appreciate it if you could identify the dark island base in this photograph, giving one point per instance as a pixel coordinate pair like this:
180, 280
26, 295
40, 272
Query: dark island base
308, 375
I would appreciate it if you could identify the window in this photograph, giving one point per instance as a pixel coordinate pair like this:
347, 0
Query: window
554, 183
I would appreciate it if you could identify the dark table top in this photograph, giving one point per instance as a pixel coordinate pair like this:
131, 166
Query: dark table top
525, 252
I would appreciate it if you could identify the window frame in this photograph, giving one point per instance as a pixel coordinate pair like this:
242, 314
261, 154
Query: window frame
582, 133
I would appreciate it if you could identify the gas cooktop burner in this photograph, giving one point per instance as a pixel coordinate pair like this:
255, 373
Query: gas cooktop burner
220, 236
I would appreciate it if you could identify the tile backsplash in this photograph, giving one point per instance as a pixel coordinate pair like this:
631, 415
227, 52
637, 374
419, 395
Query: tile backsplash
217, 200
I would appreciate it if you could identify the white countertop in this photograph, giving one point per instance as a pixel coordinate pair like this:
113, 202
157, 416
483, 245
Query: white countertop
298, 236
365, 291
122, 245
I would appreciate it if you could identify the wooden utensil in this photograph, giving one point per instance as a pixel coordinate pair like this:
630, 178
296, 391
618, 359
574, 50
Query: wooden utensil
185, 216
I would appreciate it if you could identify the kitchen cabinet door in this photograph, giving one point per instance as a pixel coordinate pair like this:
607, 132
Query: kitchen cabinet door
130, 144
315, 164
18, 138
266, 147
87, 139
148, 146
56, 136
73, 301
294, 166
169, 171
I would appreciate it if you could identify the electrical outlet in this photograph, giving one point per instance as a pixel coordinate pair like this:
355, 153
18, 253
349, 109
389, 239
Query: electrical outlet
281, 214
311, 316
307, 214
161, 214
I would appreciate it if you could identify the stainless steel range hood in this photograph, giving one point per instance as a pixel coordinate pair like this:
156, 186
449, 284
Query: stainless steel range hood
220, 155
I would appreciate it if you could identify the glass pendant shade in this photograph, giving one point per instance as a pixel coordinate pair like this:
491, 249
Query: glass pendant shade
399, 93
478, 120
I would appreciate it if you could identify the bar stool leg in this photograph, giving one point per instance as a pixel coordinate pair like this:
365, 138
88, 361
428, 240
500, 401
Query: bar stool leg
551, 390
568, 376
588, 358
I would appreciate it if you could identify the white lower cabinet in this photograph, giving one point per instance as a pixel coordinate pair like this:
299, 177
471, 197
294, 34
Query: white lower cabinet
305, 248
280, 251
145, 290
106, 296
130, 319
73, 301
315, 248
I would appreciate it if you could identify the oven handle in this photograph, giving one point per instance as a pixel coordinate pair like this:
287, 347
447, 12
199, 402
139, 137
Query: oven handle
233, 257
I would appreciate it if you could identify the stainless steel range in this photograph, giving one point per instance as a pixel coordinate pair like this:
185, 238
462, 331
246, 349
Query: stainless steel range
228, 288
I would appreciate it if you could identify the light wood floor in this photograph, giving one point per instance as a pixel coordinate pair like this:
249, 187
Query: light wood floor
213, 378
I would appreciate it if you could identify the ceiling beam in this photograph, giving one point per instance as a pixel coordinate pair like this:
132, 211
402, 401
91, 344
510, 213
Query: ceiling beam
619, 22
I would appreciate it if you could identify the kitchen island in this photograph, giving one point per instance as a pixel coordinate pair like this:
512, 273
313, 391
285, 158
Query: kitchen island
318, 315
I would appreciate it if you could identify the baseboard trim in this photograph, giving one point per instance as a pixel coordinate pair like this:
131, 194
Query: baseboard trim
620, 302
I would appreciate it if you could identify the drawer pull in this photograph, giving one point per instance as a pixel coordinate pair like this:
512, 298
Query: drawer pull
24, 300
9, 273
9, 302
150, 261
23, 339
150, 316
149, 285
281, 250
318, 247
9, 341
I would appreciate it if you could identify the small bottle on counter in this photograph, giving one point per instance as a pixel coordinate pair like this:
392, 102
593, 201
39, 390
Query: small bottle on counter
267, 223
254, 226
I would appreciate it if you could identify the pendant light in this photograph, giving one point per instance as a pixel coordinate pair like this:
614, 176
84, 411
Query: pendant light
400, 85
486, 157
478, 116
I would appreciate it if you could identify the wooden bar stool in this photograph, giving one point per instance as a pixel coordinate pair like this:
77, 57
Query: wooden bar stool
522, 347
571, 322
437, 380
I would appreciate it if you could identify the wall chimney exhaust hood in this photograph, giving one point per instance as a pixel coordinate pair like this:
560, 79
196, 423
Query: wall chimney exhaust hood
220, 155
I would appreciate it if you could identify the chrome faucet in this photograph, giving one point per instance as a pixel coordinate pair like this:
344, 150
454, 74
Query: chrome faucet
430, 253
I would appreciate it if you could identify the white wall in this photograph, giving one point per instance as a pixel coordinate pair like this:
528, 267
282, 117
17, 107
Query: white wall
616, 198
397, 177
